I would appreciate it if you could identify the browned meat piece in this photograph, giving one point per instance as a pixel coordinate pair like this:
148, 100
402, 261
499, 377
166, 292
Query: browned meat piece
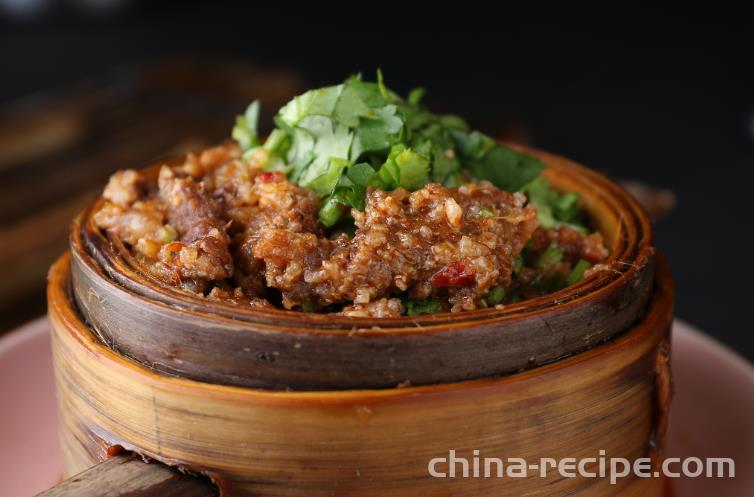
190, 210
124, 187
233, 184
199, 164
287, 255
249, 271
574, 245
237, 296
277, 204
205, 258
432, 242
203, 248
382, 308
142, 220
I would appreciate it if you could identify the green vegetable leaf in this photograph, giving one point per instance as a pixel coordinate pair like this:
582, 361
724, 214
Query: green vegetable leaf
445, 163
415, 96
245, 131
332, 140
368, 92
349, 191
377, 131
320, 102
413, 307
577, 273
330, 212
360, 174
405, 168
506, 168
552, 255
554, 209
518, 264
495, 296
325, 183
277, 143
350, 107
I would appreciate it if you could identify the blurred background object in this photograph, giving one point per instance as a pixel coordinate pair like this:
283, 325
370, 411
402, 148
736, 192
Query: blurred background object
664, 99
58, 148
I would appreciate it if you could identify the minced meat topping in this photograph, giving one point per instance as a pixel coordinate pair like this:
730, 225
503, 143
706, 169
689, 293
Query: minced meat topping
227, 230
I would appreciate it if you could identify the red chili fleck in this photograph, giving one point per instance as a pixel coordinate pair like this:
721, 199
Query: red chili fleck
271, 177
172, 249
453, 275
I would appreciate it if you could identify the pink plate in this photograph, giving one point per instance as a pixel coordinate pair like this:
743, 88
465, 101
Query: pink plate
713, 412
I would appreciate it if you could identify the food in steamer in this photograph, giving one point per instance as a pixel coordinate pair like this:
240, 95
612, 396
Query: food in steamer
360, 203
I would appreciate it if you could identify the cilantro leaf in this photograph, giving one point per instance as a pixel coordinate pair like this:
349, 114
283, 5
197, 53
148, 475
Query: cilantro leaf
348, 191
360, 174
413, 307
320, 102
552, 255
495, 295
500, 165
577, 273
405, 168
415, 96
377, 131
554, 209
332, 140
245, 131
325, 183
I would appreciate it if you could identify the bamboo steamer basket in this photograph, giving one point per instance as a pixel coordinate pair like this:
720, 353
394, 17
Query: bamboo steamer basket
567, 375
184, 335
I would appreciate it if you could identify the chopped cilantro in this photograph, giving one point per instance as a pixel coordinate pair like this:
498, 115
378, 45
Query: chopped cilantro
348, 191
340, 139
577, 273
518, 264
403, 167
245, 130
495, 296
485, 212
554, 209
413, 307
415, 96
552, 255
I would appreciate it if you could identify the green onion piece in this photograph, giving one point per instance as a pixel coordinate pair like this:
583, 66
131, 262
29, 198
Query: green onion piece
485, 212
415, 96
245, 130
330, 212
496, 295
577, 273
276, 142
552, 255
413, 307
518, 264
167, 234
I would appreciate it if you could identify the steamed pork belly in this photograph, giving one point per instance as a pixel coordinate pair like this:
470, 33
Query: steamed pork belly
434, 242
274, 203
380, 308
202, 249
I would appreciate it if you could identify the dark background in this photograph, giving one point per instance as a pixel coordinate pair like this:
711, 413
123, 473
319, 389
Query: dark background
666, 97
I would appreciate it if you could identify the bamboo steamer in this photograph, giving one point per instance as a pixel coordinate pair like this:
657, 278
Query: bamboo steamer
168, 375
368, 442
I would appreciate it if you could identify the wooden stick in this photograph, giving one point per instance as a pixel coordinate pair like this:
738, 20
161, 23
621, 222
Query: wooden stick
127, 475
